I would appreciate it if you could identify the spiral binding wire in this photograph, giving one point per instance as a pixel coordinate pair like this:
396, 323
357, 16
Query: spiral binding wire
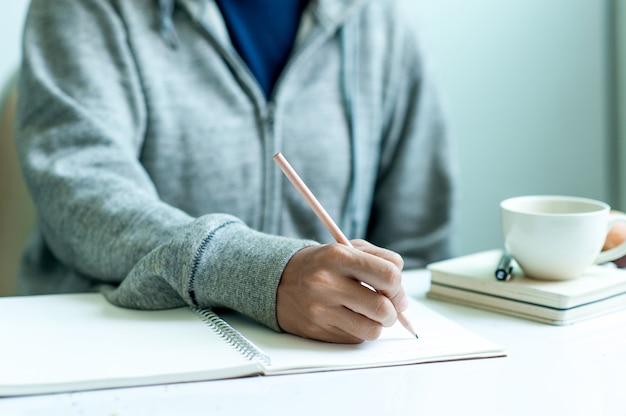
235, 338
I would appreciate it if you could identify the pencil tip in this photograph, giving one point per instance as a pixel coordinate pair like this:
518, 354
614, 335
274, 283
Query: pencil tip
416, 337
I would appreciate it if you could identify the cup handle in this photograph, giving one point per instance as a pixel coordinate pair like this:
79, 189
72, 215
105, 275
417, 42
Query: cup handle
616, 252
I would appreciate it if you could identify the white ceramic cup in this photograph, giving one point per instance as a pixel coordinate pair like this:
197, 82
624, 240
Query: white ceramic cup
558, 237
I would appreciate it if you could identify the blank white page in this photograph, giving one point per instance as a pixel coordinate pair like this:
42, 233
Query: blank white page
439, 340
57, 343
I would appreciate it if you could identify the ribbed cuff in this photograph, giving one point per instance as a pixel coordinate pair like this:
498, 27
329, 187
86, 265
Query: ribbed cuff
239, 268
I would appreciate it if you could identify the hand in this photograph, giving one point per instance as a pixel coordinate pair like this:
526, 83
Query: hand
321, 293
616, 235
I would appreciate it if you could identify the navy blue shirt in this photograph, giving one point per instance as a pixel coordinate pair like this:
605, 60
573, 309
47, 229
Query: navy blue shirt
263, 33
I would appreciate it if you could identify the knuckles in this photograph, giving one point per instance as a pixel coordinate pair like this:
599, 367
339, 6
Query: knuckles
391, 275
396, 259
372, 332
338, 253
384, 311
363, 330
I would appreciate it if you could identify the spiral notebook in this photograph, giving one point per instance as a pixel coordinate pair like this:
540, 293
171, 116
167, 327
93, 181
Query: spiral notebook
64, 343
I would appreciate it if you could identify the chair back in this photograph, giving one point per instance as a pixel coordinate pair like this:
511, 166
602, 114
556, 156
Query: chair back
17, 212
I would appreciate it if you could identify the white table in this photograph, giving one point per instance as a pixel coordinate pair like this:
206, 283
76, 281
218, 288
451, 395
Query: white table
572, 370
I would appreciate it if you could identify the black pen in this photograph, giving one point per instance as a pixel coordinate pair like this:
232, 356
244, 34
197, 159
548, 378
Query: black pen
504, 269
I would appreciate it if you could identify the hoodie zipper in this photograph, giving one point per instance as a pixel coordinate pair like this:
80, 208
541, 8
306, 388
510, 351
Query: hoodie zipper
273, 140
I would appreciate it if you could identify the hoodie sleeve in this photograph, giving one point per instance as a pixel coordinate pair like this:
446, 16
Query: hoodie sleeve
82, 120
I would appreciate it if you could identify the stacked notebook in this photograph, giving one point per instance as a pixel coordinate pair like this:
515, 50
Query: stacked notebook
470, 280
63, 343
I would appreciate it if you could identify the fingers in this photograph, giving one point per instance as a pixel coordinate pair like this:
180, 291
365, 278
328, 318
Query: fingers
383, 253
321, 294
381, 270
333, 323
373, 305
360, 299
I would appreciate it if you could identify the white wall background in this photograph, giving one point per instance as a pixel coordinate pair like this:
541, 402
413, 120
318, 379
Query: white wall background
525, 85
619, 45
11, 20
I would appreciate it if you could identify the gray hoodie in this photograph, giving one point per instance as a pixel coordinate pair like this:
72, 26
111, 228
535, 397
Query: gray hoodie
151, 165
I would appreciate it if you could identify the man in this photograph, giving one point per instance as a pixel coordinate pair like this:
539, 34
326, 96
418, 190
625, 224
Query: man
146, 132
